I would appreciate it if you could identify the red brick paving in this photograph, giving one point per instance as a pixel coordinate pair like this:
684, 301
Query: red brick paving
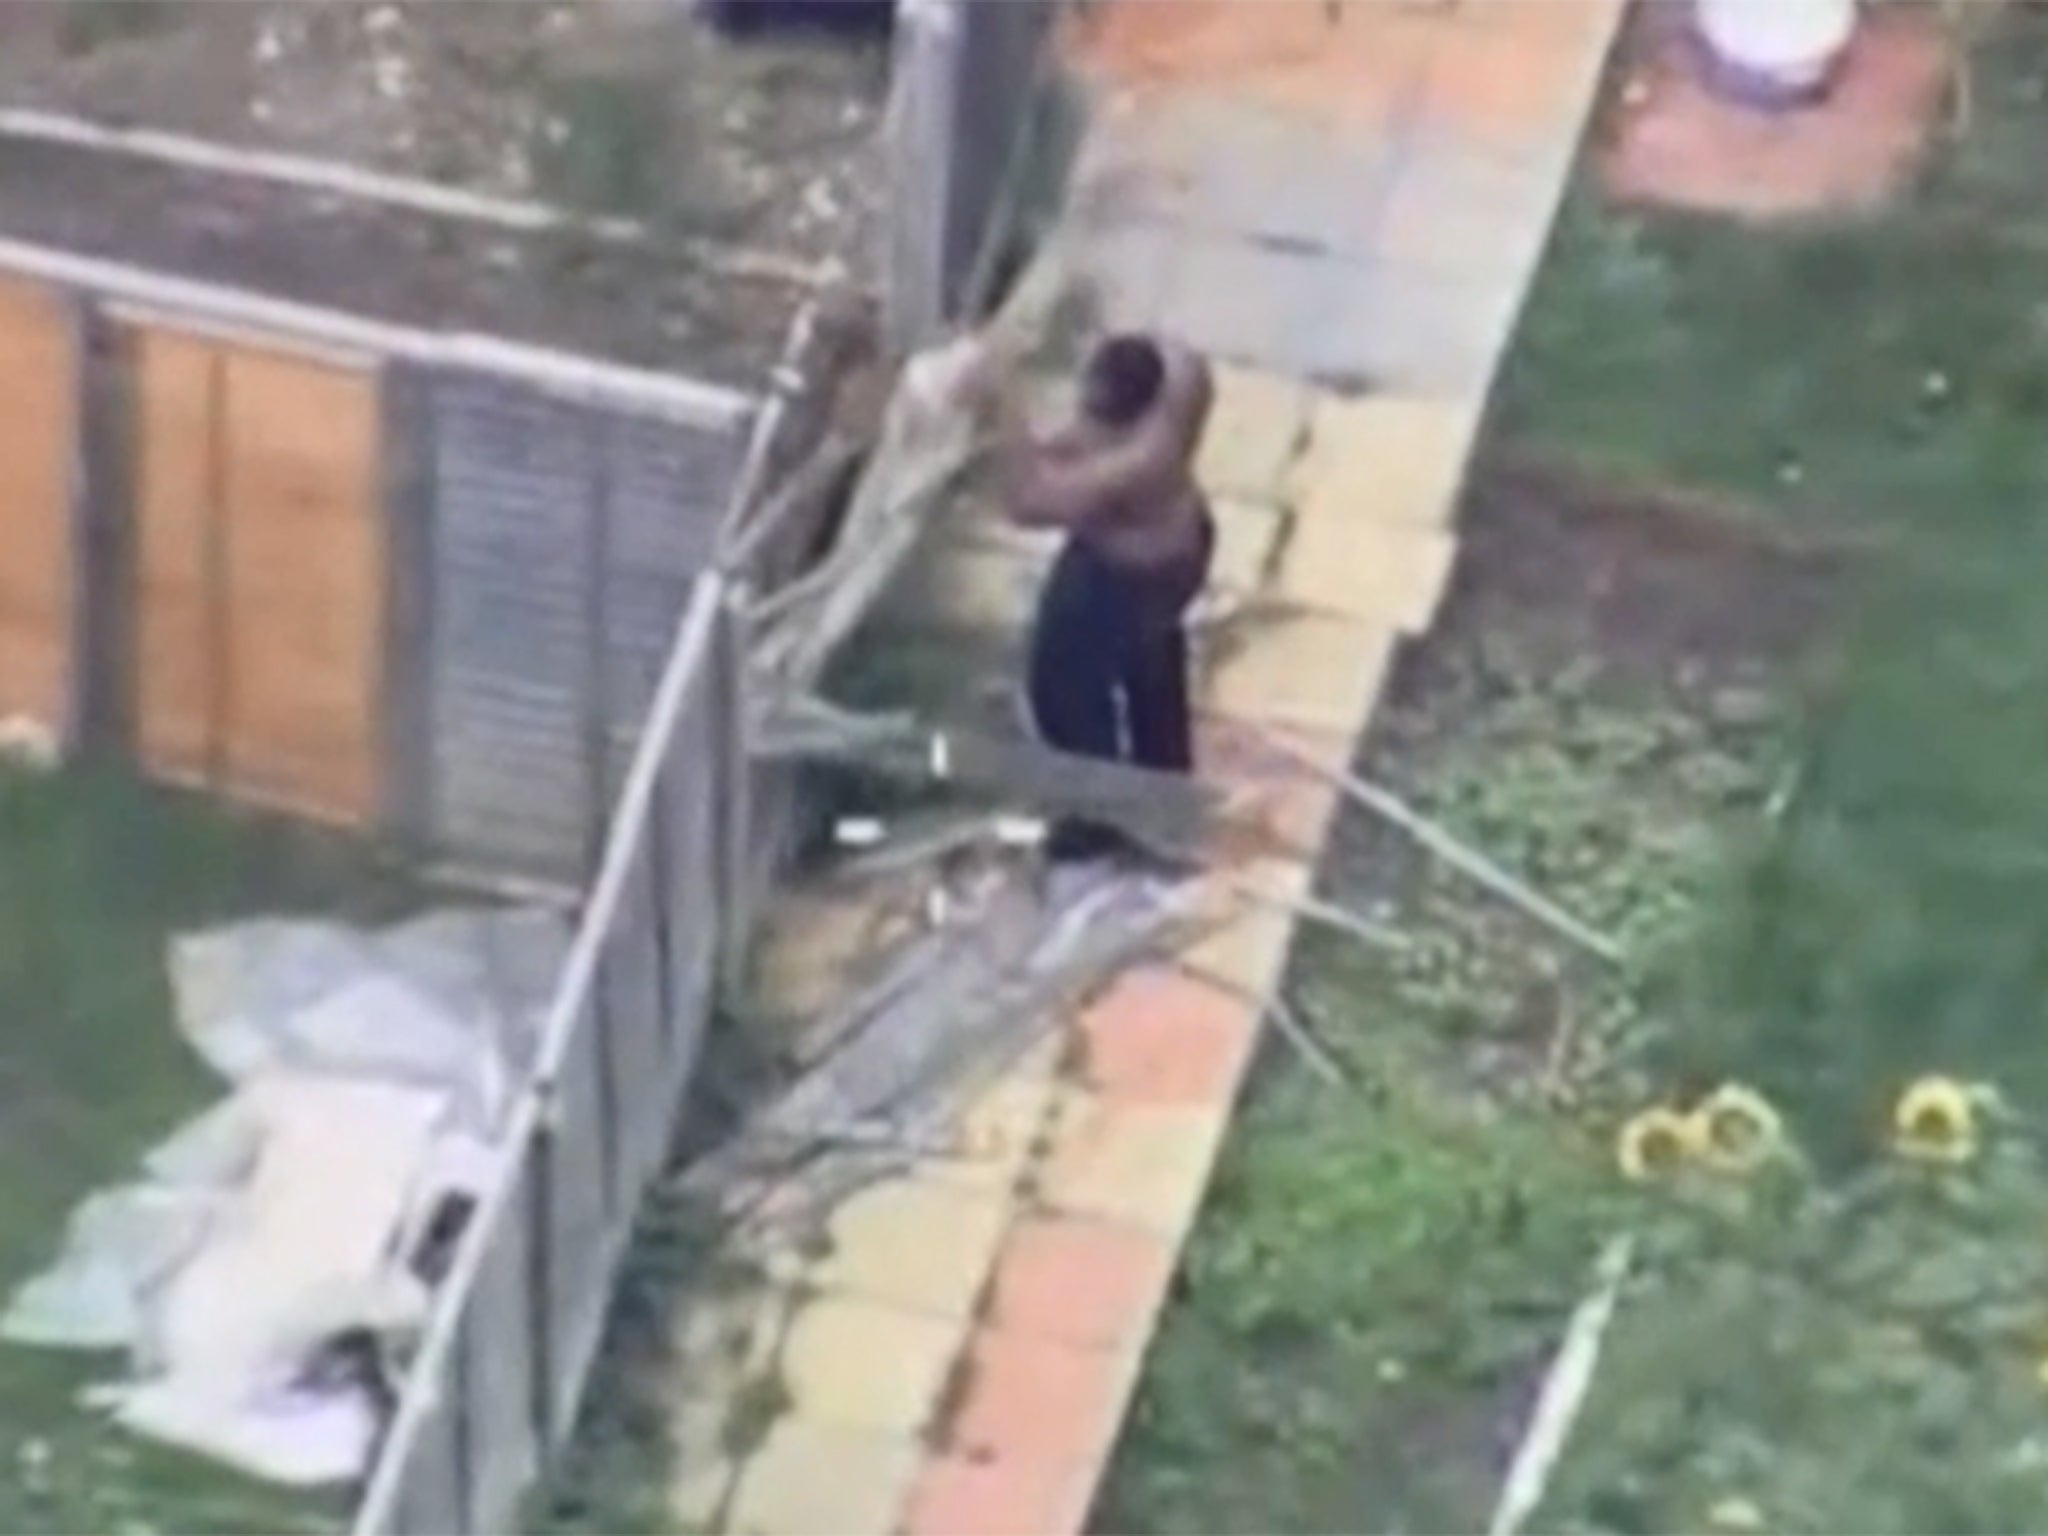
1092, 1284
996, 1496
1160, 1036
1670, 140
1034, 1402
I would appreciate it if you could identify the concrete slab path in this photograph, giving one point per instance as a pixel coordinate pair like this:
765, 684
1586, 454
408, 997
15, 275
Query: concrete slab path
1344, 205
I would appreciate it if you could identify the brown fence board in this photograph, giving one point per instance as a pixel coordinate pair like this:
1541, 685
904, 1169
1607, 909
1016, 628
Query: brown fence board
174, 621
260, 575
305, 586
38, 427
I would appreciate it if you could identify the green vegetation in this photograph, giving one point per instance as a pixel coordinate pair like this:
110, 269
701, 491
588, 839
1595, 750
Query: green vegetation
1834, 373
1378, 1278
1855, 1355
1888, 375
1827, 906
95, 875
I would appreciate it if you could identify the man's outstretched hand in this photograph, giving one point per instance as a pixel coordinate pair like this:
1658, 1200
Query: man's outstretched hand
964, 374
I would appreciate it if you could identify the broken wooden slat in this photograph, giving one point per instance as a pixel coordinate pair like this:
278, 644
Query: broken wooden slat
1173, 815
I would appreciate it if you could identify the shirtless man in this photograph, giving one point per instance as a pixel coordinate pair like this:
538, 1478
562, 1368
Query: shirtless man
1109, 655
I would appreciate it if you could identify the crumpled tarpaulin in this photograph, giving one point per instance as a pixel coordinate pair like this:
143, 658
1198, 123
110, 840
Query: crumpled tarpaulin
370, 1075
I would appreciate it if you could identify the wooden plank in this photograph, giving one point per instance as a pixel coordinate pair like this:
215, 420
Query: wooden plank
304, 570
38, 432
175, 524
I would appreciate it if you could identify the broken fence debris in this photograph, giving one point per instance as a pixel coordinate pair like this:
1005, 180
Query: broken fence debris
1474, 865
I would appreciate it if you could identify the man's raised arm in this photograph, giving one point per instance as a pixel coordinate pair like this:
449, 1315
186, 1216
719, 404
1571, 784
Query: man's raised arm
1058, 482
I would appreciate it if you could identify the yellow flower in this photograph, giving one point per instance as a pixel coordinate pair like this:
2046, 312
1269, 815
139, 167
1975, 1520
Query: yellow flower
1736, 1515
1736, 1129
1935, 1121
1654, 1142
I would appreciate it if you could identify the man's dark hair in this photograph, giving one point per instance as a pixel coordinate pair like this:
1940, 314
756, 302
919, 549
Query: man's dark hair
1122, 380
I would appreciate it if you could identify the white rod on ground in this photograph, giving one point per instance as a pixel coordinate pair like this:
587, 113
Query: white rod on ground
1315, 1056
1473, 865
1563, 1394
1310, 909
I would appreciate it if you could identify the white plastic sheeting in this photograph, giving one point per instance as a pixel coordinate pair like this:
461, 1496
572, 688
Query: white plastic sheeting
369, 1075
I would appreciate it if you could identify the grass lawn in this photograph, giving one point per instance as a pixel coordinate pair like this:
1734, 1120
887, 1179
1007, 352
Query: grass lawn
95, 875
1381, 1273
1806, 797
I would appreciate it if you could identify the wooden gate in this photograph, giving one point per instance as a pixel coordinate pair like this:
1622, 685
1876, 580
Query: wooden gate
259, 549
38, 437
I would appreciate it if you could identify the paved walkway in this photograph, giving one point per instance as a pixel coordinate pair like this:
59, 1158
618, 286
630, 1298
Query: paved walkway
1346, 215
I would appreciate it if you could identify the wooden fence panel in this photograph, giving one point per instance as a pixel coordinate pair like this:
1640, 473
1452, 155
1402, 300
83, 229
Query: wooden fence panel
38, 437
260, 575
176, 625
305, 583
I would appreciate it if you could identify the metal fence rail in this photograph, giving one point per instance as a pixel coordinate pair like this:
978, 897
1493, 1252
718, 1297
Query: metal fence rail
515, 1326
966, 83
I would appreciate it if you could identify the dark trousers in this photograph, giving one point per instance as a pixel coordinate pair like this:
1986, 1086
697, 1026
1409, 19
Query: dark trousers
1109, 670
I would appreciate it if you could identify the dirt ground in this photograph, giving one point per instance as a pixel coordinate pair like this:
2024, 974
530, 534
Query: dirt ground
636, 302
1650, 583
631, 108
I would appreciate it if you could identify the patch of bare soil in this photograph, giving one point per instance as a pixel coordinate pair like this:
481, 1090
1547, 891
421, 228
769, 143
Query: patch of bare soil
634, 303
769, 139
720, 150
1653, 586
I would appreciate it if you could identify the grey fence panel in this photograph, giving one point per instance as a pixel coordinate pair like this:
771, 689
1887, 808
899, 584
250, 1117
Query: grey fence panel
514, 569
566, 541
631, 981
497, 1351
664, 490
686, 805
581, 1235
433, 1497
517, 1324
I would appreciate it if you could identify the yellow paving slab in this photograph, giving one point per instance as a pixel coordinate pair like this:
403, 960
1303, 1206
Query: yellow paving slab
1254, 429
1272, 881
866, 1365
1117, 1160
806, 1478
917, 1242
701, 1483
1321, 671
1246, 952
723, 1344
1389, 577
1389, 459
1247, 538
999, 1127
